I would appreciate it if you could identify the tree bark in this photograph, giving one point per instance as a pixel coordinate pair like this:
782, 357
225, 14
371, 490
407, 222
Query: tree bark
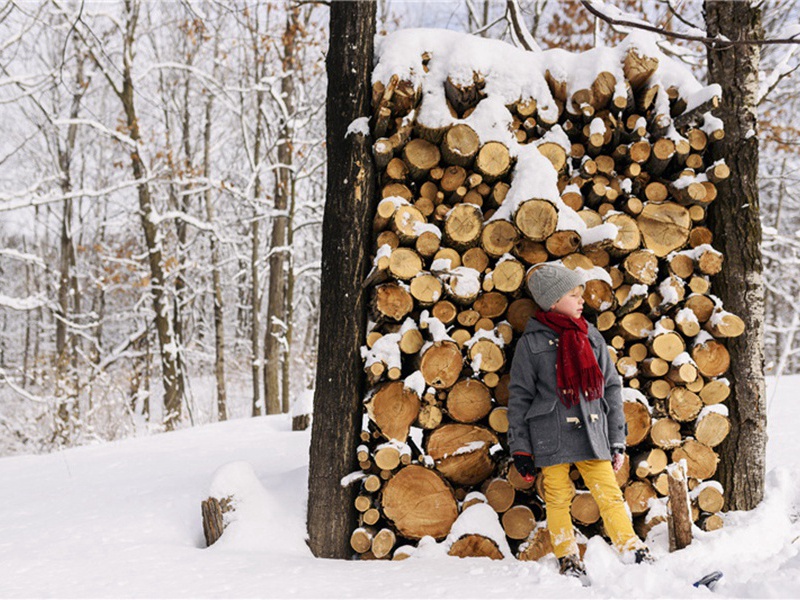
170, 369
216, 278
734, 219
275, 342
345, 256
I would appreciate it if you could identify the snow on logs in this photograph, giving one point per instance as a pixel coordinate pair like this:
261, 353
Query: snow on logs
602, 160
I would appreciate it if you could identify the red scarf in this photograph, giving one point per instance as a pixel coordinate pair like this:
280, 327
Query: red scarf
577, 370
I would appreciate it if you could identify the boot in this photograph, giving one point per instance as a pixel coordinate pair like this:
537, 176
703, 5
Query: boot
572, 566
643, 556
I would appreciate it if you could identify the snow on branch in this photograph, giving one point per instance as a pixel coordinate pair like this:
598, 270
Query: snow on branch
614, 16
520, 33
22, 304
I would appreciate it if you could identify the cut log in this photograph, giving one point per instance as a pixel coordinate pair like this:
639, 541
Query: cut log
709, 499
598, 295
538, 545
404, 263
383, 543
649, 463
394, 408
723, 324
666, 433
419, 502
637, 68
427, 244
667, 345
712, 358
530, 252
426, 289
635, 326
562, 243
702, 306
715, 391
460, 145
710, 522
421, 156
461, 452
469, 401
475, 258
711, 429
445, 311
664, 227
491, 304
508, 276
493, 161
406, 222
700, 459
500, 494
487, 356
392, 302
518, 522
679, 517
498, 238
498, 419
361, 539
475, 545
628, 236
638, 495
463, 226
683, 405
430, 416
536, 219
637, 417
441, 364
584, 508
641, 266
213, 510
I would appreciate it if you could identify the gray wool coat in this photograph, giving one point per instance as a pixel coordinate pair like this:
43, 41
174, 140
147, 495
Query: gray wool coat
539, 422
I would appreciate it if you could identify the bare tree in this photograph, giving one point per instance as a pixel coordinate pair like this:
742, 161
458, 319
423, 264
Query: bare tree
351, 185
736, 221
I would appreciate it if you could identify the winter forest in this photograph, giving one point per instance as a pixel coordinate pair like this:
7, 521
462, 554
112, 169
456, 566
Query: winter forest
163, 174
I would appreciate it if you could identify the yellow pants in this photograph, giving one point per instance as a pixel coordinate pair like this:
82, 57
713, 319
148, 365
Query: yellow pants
598, 475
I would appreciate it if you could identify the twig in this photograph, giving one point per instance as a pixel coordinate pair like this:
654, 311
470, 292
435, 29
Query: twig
709, 41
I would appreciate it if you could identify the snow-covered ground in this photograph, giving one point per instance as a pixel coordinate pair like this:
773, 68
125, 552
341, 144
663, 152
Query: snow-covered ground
123, 520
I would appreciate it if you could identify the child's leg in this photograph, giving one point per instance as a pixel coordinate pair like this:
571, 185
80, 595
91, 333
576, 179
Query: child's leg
558, 493
598, 475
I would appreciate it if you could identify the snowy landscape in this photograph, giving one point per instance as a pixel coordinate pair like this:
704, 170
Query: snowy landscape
123, 520
161, 290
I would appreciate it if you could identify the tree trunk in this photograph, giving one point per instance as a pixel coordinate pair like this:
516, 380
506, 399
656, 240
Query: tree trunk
65, 392
275, 342
734, 219
345, 259
216, 279
170, 369
255, 234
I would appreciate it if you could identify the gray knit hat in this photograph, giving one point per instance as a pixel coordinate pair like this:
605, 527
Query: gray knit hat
550, 281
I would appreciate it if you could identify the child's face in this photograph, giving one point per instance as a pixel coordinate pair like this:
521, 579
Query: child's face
571, 303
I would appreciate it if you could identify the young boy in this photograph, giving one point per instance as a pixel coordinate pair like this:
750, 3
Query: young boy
565, 407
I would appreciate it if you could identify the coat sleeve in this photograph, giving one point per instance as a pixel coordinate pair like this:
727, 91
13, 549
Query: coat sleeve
612, 394
521, 393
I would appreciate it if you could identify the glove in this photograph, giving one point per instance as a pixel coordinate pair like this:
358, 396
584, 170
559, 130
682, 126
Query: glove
523, 462
617, 458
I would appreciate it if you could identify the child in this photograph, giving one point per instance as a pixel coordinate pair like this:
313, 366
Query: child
565, 407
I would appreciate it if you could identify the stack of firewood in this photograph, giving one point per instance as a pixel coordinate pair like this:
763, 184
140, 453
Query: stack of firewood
635, 175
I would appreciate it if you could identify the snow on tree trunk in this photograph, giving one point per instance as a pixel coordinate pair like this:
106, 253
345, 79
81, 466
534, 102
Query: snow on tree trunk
345, 254
734, 217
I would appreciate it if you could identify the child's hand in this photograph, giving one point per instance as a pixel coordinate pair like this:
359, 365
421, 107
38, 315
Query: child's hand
617, 459
524, 465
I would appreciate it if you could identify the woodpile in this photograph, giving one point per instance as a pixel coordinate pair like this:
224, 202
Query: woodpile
633, 164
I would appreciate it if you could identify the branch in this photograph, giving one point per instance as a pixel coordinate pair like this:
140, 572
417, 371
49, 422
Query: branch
679, 16
721, 41
522, 35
